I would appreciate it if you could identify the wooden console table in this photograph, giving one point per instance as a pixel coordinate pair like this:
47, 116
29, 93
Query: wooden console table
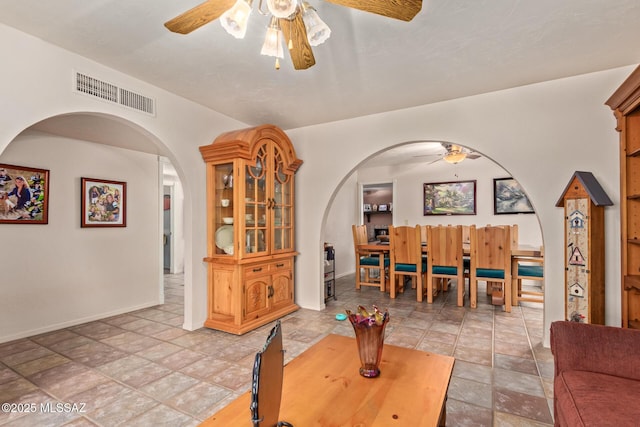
322, 387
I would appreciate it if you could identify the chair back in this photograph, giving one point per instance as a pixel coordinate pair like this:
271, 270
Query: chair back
491, 248
405, 246
465, 234
514, 236
359, 235
423, 233
444, 246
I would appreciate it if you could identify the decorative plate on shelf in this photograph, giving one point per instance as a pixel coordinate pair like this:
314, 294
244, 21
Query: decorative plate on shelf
224, 237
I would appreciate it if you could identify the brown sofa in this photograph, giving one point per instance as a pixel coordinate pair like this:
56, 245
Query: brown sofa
597, 375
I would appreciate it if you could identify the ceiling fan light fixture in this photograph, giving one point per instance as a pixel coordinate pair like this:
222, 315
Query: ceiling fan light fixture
235, 20
317, 30
272, 45
454, 157
282, 8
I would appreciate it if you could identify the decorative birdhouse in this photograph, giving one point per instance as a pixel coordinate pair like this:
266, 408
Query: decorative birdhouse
584, 200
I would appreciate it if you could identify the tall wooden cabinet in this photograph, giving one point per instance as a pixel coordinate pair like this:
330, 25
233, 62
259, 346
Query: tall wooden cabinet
250, 215
625, 103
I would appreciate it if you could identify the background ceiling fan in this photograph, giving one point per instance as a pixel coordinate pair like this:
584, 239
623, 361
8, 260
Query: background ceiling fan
453, 154
293, 25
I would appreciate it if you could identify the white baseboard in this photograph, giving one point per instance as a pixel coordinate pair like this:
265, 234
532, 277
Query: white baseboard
74, 322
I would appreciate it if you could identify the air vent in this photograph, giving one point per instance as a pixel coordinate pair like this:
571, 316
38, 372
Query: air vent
109, 92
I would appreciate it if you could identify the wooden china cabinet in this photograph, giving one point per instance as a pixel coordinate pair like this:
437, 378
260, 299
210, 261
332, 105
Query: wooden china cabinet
625, 103
250, 220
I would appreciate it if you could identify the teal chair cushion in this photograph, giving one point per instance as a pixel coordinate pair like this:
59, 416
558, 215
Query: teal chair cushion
440, 269
530, 270
410, 268
489, 273
373, 261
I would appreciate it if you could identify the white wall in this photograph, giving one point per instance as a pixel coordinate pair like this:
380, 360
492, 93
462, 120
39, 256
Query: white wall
59, 274
342, 214
541, 134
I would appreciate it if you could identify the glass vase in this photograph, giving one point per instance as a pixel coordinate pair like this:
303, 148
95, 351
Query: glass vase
369, 330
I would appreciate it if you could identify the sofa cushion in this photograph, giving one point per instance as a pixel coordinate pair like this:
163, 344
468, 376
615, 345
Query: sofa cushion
593, 399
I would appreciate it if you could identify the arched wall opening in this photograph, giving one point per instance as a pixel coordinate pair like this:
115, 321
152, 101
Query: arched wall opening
66, 274
409, 171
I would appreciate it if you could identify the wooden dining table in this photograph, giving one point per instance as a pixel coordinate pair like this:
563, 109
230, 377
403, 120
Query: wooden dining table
520, 250
528, 251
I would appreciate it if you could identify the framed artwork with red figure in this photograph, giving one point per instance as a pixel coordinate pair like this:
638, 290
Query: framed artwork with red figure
24, 195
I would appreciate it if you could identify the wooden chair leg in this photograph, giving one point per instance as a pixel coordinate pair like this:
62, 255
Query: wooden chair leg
473, 293
507, 294
393, 278
461, 286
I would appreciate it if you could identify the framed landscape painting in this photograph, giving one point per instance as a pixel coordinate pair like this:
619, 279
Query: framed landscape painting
510, 198
450, 198
24, 195
104, 203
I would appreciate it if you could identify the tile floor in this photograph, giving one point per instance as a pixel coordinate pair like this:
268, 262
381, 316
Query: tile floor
142, 369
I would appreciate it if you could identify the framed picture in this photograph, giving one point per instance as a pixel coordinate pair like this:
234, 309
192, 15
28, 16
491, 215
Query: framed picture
104, 203
367, 207
450, 198
24, 195
509, 198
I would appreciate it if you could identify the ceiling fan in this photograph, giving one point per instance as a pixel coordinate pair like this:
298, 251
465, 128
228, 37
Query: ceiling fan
286, 15
453, 154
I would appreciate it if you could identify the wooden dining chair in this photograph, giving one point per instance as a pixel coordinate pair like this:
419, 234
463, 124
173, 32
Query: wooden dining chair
527, 268
497, 286
445, 260
491, 262
405, 253
373, 263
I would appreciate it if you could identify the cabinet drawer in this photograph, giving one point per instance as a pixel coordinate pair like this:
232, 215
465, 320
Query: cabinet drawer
284, 264
255, 270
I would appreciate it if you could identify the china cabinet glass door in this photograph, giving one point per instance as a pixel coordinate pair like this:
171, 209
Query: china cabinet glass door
223, 208
282, 205
256, 203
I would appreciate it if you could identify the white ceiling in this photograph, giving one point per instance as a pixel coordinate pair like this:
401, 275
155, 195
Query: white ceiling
371, 64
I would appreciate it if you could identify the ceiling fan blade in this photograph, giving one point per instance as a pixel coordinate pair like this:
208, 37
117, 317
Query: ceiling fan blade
473, 156
200, 15
301, 53
405, 10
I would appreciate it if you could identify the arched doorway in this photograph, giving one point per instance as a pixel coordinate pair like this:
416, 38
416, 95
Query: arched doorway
409, 166
80, 274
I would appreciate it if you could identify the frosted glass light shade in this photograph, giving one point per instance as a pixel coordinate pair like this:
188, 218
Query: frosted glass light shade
317, 31
282, 8
234, 20
273, 40
455, 157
